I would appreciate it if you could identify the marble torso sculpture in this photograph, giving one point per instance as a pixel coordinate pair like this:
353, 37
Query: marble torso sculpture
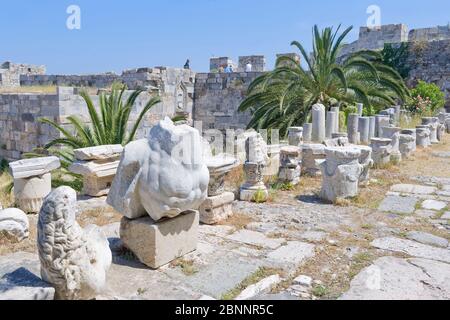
161, 176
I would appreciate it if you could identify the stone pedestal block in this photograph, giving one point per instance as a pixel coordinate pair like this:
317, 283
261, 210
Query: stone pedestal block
311, 154
423, 134
295, 136
254, 182
381, 151
372, 127
29, 193
290, 168
407, 142
218, 167
366, 161
433, 123
336, 111
158, 243
216, 208
380, 122
341, 172
393, 133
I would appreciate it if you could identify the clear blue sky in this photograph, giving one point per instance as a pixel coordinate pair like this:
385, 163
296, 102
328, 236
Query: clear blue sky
116, 35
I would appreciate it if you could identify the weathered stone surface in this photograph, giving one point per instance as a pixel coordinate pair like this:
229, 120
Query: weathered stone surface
407, 144
216, 208
398, 204
161, 176
393, 133
423, 134
294, 253
364, 130
425, 213
34, 167
29, 193
446, 216
104, 152
14, 223
341, 172
381, 121
218, 167
255, 239
365, 159
303, 280
295, 136
434, 205
313, 236
254, 182
415, 189
392, 278
331, 124
381, 151
311, 153
427, 238
352, 128
433, 124
318, 123
290, 169
158, 243
263, 286
412, 248
19, 278
307, 133
74, 260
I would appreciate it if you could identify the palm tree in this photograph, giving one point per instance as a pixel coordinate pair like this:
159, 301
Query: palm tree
108, 127
284, 97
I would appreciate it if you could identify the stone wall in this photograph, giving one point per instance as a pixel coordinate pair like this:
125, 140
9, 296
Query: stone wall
430, 61
430, 34
21, 132
10, 73
258, 63
217, 99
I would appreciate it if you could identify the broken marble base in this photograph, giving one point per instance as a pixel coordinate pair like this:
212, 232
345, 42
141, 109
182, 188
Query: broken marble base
217, 208
30, 192
158, 243
289, 175
256, 193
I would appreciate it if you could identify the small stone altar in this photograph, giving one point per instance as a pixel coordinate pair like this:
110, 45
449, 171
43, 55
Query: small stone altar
254, 167
381, 151
341, 172
407, 143
433, 123
290, 168
32, 181
160, 183
367, 162
393, 133
98, 166
218, 205
423, 136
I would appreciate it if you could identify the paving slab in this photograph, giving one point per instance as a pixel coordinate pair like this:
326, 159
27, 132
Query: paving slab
398, 204
425, 213
412, 188
314, 236
292, 254
434, 205
412, 248
20, 278
427, 238
256, 239
446, 216
391, 278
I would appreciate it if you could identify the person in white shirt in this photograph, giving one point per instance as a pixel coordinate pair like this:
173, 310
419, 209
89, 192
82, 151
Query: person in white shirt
248, 67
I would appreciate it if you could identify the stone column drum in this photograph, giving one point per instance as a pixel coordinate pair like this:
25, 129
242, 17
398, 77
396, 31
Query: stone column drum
290, 169
360, 108
330, 124
340, 173
218, 205
407, 143
364, 130
423, 134
32, 181
372, 128
393, 133
336, 111
381, 151
98, 166
307, 132
295, 136
433, 123
380, 122
311, 154
318, 123
352, 128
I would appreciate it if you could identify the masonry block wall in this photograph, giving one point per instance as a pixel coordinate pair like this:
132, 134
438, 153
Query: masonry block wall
217, 99
10, 73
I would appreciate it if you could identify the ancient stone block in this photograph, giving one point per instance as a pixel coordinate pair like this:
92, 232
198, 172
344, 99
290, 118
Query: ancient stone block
216, 208
158, 243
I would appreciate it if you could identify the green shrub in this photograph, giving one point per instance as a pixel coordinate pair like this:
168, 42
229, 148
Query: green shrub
426, 98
